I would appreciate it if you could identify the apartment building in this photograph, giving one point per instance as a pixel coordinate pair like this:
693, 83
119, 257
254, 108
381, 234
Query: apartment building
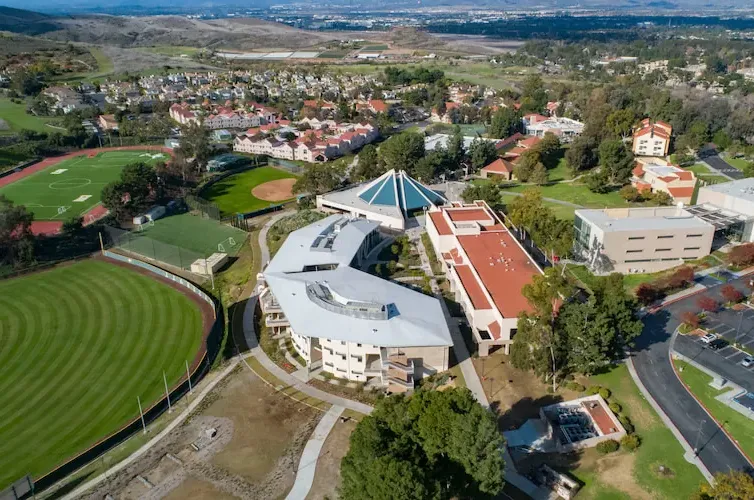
655, 175
652, 139
565, 129
638, 240
227, 118
347, 322
486, 268
182, 114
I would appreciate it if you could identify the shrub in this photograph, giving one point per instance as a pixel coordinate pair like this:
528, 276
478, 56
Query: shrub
690, 319
629, 427
630, 442
327, 375
593, 389
646, 293
742, 255
707, 304
615, 408
609, 446
605, 393
730, 293
575, 386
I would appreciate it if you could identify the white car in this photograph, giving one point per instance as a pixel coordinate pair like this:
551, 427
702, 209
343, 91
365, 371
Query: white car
709, 338
747, 362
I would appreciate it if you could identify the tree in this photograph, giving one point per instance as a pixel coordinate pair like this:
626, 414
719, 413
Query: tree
581, 155
368, 166
16, 238
430, 445
455, 147
620, 122
505, 122
538, 174
598, 181
427, 167
616, 160
549, 233
708, 304
690, 319
482, 153
533, 94
661, 198
549, 150
317, 178
741, 255
402, 151
525, 165
133, 192
730, 293
733, 485
195, 144
630, 193
537, 348
488, 192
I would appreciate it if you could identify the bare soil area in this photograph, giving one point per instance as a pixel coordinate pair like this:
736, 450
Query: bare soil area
279, 190
327, 475
244, 442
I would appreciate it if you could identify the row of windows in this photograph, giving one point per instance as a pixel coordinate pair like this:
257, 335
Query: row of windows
662, 249
664, 237
670, 259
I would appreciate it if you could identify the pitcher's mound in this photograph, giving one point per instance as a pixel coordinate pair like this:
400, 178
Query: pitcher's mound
279, 190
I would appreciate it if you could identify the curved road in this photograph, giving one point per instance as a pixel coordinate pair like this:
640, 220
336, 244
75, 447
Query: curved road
652, 362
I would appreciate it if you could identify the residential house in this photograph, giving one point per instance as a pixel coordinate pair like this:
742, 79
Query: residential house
652, 139
659, 175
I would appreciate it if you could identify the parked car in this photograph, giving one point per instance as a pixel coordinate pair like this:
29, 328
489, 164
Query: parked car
709, 338
717, 344
747, 362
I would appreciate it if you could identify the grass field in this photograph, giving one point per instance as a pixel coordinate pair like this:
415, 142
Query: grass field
739, 426
72, 187
738, 163
658, 445
181, 239
80, 343
233, 194
172, 51
560, 211
17, 119
575, 192
333, 54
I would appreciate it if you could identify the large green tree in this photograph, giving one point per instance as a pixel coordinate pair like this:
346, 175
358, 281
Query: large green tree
368, 166
133, 192
733, 485
16, 238
488, 192
616, 159
505, 122
481, 153
317, 178
433, 444
581, 155
402, 151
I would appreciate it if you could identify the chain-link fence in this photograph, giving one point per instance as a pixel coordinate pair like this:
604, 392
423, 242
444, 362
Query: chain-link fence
207, 208
290, 166
151, 249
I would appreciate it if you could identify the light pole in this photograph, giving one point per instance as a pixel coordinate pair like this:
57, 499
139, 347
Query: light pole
698, 436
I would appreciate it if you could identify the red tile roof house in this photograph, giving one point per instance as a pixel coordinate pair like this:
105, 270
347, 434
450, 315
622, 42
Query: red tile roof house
500, 168
658, 175
486, 268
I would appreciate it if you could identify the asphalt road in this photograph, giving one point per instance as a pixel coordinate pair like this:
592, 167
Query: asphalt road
652, 363
719, 165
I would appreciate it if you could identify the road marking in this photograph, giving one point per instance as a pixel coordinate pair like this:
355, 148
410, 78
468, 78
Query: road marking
720, 352
737, 353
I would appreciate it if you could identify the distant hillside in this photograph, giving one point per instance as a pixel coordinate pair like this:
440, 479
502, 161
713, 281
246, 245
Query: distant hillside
160, 30
25, 21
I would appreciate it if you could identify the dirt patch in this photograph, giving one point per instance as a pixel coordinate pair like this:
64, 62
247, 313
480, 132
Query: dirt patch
279, 190
327, 475
244, 442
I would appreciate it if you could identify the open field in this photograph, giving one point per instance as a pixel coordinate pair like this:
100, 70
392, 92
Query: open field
233, 194
80, 343
74, 186
560, 211
15, 116
172, 51
739, 426
181, 239
575, 192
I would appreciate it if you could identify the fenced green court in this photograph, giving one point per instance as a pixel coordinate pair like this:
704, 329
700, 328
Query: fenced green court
233, 194
80, 343
74, 186
179, 240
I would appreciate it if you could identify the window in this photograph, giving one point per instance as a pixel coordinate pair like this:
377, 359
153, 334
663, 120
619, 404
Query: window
634, 251
342, 342
329, 364
514, 331
635, 238
665, 236
358, 345
662, 249
693, 236
637, 260
691, 248
341, 370
357, 358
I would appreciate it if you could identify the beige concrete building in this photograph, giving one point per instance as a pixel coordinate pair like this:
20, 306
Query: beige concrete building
656, 174
346, 322
638, 240
652, 139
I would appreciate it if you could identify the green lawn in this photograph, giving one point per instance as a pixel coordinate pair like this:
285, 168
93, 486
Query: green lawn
560, 211
630, 281
659, 445
181, 239
233, 194
575, 192
74, 186
17, 119
80, 343
739, 426
560, 172
738, 163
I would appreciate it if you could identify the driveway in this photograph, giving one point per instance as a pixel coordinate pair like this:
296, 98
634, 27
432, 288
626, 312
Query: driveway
720, 166
652, 363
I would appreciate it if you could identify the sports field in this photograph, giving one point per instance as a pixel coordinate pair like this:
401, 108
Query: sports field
181, 239
233, 194
72, 187
79, 344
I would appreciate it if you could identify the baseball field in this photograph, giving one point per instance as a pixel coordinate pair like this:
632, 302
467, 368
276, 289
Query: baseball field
250, 190
80, 342
73, 186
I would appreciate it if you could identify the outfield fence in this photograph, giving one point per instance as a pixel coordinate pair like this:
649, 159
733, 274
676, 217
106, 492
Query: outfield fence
142, 246
290, 166
199, 368
206, 207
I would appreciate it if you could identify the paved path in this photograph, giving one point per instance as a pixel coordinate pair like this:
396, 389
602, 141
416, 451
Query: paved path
307, 465
720, 166
654, 370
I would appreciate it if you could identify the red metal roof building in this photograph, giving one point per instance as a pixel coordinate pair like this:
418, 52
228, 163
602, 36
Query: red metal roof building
486, 268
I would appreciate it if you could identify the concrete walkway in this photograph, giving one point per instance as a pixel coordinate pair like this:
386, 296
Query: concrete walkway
307, 465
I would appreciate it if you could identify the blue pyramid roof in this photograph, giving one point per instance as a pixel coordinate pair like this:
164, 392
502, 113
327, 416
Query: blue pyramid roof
398, 189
